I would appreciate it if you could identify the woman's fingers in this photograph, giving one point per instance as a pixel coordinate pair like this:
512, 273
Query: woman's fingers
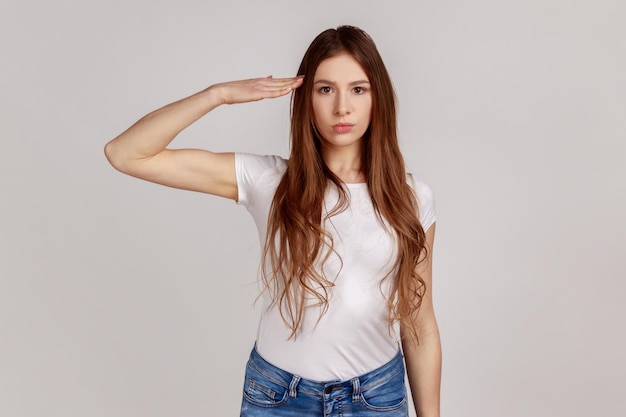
280, 84
257, 89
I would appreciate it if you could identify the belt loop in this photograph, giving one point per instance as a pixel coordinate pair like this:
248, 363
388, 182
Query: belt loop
293, 385
356, 390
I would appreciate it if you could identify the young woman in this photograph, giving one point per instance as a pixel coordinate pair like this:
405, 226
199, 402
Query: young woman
347, 235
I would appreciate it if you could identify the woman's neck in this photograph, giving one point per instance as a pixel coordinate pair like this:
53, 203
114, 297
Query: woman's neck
345, 164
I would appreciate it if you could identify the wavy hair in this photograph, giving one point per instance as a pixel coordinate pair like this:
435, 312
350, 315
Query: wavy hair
296, 238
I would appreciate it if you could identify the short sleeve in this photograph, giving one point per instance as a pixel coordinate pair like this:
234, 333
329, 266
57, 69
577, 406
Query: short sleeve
425, 202
256, 172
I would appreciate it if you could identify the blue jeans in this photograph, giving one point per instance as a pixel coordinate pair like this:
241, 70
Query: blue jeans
271, 391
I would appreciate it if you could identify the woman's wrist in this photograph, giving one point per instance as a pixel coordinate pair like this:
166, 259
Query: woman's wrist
212, 96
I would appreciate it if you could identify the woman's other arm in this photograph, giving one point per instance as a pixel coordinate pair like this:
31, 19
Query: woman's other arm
141, 150
423, 360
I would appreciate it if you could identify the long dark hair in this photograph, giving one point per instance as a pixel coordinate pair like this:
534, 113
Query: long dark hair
295, 236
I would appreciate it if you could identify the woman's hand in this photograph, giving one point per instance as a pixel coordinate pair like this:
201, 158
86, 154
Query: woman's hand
255, 89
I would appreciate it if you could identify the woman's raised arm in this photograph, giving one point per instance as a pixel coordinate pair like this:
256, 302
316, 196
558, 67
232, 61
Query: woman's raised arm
141, 150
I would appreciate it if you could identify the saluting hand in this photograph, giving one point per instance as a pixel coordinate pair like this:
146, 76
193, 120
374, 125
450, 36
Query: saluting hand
255, 89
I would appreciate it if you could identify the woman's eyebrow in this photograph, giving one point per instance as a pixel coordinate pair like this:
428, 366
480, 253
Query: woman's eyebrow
334, 83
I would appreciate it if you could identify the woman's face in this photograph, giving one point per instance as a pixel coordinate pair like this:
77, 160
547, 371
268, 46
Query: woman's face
342, 102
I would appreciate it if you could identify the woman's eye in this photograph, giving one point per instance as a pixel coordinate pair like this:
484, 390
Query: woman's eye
359, 90
325, 90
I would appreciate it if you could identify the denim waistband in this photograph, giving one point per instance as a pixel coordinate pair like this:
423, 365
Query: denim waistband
353, 386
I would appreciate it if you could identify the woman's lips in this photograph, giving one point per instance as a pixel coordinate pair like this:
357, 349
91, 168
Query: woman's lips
342, 127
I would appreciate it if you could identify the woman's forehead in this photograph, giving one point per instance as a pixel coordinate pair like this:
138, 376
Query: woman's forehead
342, 68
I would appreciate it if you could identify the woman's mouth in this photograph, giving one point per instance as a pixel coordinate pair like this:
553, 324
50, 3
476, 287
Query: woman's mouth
342, 127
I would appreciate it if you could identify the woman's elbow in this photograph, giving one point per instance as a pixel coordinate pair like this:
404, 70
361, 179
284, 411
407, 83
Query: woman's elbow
115, 157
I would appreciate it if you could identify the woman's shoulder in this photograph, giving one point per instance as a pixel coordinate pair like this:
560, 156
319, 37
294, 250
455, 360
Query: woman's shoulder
425, 200
421, 188
253, 166
257, 175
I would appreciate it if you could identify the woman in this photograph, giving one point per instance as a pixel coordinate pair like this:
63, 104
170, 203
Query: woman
347, 235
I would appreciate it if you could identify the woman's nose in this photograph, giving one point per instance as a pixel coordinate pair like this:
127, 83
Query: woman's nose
342, 105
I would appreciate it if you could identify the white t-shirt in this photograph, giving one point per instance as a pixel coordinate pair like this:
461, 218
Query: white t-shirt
353, 336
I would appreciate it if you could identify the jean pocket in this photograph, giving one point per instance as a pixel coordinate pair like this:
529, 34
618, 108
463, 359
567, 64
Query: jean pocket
262, 391
387, 396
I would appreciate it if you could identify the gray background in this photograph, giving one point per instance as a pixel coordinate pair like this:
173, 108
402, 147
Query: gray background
122, 298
